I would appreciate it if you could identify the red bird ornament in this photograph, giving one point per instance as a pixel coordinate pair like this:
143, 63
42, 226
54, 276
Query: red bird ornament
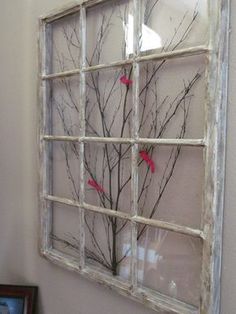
144, 155
124, 80
95, 185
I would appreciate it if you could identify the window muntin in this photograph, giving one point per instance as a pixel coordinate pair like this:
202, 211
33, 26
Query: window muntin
66, 79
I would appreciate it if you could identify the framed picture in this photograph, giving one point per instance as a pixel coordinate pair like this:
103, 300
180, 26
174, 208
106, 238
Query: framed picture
17, 299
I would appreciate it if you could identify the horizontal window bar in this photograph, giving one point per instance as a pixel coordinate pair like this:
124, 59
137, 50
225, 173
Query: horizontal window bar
90, 3
60, 12
62, 200
61, 74
169, 226
108, 65
156, 56
87, 69
159, 141
186, 52
61, 138
150, 222
163, 141
109, 212
96, 209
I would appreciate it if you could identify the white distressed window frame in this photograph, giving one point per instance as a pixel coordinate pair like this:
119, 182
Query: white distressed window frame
214, 157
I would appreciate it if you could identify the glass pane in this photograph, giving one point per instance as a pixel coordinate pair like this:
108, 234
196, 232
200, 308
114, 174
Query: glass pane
171, 184
172, 98
65, 236
64, 101
169, 25
170, 263
109, 103
107, 242
109, 32
65, 44
108, 175
65, 169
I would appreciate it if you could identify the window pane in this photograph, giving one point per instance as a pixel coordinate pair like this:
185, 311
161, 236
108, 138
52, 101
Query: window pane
65, 169
172, 98
65, 43
109, 103
170, 263
108, 175
107, 242
171, 184
64, 103
65, 236
169, 25
109, 32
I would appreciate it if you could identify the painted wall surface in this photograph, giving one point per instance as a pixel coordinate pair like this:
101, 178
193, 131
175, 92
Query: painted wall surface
62, 292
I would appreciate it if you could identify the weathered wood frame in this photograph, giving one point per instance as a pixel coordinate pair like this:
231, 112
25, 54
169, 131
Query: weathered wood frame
214, 157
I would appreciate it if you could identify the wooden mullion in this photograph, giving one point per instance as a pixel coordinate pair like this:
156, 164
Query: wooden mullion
159, 141
46, 184
216, 105
61, 12
82, 133
132, 218
181, 53
135, 147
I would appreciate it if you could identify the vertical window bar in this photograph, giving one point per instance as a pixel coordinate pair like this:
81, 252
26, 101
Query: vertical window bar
45, 44
215, 156
134, 159
82, 133
207, 201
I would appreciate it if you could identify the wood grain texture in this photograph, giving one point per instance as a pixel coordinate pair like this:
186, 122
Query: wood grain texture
214, 148
158, 141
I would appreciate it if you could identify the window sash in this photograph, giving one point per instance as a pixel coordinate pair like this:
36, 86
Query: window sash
213, 143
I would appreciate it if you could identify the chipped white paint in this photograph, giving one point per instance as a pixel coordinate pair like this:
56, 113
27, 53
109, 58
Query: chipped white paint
159, 141
133, 218
181, 53
213, 143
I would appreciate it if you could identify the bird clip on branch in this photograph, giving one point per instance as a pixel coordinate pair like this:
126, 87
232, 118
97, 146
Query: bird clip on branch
124, 80
144, 155
96, 186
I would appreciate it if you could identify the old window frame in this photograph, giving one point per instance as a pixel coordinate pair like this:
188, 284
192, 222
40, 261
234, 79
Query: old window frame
214, 156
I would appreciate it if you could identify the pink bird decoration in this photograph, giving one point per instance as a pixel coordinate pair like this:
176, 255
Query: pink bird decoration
144, 155
124, 80
95, 185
